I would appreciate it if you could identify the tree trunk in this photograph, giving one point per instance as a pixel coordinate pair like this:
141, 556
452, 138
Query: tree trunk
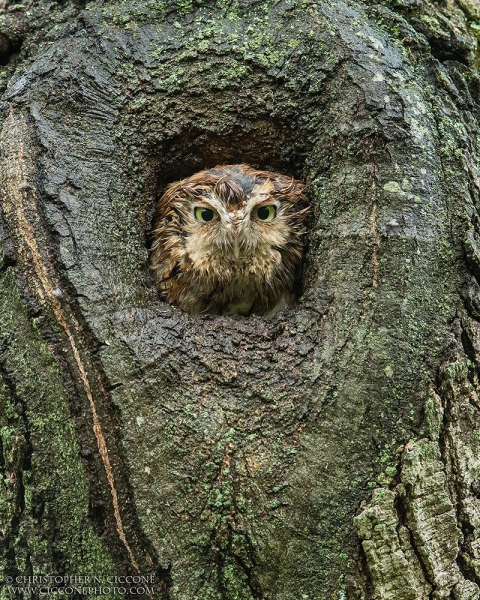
330, 452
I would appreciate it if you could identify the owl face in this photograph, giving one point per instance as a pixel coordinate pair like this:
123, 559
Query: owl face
228, 240
238, 226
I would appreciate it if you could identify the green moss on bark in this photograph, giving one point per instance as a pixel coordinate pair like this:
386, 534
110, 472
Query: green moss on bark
45, 498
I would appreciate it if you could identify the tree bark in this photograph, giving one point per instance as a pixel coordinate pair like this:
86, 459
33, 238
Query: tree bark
329, 452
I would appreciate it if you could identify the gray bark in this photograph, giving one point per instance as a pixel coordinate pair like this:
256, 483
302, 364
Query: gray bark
330, 452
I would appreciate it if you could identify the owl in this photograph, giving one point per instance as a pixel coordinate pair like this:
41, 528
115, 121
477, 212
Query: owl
229, 240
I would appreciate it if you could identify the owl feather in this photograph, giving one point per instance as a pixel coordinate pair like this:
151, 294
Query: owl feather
229, 240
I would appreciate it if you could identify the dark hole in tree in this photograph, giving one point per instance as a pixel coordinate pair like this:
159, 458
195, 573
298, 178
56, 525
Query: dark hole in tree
8, 49
262, 144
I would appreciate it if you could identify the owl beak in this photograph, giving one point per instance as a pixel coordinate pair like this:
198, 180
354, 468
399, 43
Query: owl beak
236, 249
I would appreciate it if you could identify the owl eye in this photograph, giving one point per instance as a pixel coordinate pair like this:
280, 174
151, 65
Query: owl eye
204, 215
266, 213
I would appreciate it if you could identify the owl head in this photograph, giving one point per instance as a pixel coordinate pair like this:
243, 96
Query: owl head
229, 240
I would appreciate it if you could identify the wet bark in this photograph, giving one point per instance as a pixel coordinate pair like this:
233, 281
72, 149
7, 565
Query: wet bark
330, 452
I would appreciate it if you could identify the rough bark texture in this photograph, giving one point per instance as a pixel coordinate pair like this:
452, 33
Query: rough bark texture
331, 452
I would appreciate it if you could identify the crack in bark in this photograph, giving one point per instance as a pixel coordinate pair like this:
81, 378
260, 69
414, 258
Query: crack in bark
46, 291
401, 509
373, 225
449, 457
15, 522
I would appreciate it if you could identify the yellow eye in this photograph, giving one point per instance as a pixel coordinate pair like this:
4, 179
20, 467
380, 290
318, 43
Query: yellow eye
204, 215
266, 213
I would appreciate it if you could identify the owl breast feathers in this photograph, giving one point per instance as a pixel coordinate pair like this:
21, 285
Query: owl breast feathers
229, 241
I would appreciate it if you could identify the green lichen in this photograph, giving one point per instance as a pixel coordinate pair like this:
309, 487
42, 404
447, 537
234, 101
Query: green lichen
54, 528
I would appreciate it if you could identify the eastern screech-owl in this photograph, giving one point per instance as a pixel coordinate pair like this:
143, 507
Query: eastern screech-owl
229, 241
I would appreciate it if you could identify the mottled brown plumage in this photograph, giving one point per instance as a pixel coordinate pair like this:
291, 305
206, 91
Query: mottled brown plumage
229, 241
